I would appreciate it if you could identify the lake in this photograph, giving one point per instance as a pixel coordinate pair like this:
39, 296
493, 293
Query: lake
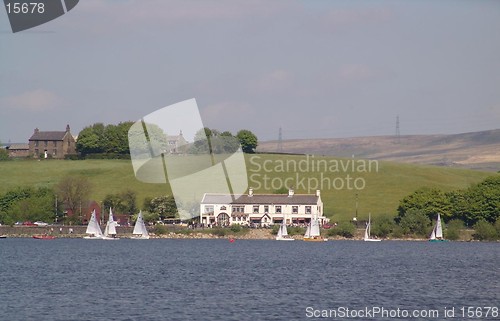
164, 279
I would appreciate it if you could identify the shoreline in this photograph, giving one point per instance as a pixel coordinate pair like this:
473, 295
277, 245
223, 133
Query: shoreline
126, 232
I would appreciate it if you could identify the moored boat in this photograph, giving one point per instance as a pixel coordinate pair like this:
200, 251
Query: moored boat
367, 237
437, 231
140, 232
93, 229
313, 233
110, 230
44, 237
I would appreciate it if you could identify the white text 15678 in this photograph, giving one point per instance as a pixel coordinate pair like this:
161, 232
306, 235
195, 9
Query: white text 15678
25, 7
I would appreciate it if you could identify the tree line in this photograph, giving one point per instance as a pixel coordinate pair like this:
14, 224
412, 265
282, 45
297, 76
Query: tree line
71, 194
112, 141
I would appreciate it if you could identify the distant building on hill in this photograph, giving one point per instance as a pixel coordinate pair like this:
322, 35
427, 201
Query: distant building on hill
54, 144
261, 209
175, 143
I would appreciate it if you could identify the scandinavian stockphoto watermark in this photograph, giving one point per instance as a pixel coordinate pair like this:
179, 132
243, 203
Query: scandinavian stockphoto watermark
310, 173
171, 146
379, 312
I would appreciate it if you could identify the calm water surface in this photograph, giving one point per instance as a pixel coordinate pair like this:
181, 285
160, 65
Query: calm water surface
75, 279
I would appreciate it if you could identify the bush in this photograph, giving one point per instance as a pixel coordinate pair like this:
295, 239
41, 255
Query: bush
383, 226
344, 229
160, 229
235, 228
453, 229
296, 230
415, 222
397, 232
484, 231
275, 229
497, 226
219, 231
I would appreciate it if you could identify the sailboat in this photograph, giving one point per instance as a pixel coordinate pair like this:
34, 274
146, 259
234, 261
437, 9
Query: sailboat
283, 233
437, 231
110, 230
93, 229
367, 231
140, 232
313, 233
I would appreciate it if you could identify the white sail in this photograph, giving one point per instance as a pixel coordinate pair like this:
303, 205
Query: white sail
368, 230
280, 232
284, 231
93, 228
110, 230
140, 228
433, 234
308, 231
315, 231
439, 228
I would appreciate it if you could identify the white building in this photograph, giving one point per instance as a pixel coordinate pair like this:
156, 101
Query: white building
261, 209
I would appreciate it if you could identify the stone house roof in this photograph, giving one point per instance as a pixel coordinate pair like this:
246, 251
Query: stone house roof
49, 135
278, 199
18, 147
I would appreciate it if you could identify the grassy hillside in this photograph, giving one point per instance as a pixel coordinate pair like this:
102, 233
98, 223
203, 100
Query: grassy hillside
381, 193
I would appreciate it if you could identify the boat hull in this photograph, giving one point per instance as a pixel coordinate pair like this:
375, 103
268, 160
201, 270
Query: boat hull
44, 237
139, 238
3, 236
109, 238
92, 237
284, 239
371, 240
315, 239
436, 240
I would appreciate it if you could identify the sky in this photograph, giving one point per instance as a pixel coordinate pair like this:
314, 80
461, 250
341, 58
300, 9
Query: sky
317, 69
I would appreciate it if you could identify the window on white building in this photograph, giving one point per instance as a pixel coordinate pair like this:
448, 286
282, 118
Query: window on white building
295, 209
266, 209
308, 209
209, 208
278, 209
256, 208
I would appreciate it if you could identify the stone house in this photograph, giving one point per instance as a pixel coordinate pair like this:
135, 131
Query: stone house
55, 144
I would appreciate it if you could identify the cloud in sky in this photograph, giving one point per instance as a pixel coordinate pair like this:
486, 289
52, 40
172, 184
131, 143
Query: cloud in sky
37, 100
316, 68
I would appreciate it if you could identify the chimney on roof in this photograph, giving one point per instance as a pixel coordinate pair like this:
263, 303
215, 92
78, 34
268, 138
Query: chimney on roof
318, 192
250, 192
36, 130
67, 128
290, 192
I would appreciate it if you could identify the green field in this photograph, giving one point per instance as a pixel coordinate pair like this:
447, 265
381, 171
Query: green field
381, 193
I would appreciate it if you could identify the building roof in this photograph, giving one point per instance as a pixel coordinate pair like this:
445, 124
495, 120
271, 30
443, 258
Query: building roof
48, 136
18, 146
296, 199
52, 135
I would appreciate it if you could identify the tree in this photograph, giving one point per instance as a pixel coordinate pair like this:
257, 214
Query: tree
480, 202
90, 140
124, 202
27, 204
163, 206
247, 140
74, 191
383, 226
111, 139
484, 231
430, 201
416, 222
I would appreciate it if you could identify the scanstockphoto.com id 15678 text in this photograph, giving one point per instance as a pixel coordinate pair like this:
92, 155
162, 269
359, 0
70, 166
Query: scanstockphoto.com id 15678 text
379, 312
